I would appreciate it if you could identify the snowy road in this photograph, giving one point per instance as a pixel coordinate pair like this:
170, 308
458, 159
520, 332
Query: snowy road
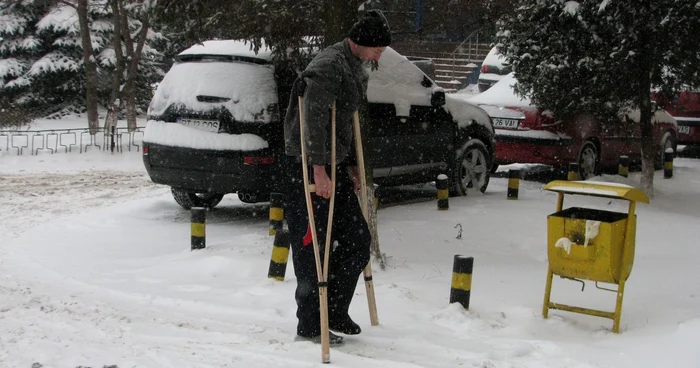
30, 199
95, 270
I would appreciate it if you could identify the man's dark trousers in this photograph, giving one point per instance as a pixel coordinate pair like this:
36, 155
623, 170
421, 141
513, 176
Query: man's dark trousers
350, 246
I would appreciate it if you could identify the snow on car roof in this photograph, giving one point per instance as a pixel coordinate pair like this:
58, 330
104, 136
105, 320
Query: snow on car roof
501, 94
398, 81
494, 58
229, 47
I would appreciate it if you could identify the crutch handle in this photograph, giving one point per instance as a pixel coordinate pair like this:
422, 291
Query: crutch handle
311, 188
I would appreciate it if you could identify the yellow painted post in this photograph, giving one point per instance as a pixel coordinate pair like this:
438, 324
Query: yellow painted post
198, 231
623, 168
547, 293
462, 268
280, 255
276, 212
513, 183
618, 307
560, 201
442, 192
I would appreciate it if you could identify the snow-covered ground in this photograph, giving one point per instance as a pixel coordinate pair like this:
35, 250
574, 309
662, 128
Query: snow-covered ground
95, 270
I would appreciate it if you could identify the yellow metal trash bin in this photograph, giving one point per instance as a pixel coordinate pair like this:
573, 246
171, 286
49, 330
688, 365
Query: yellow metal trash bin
591, 244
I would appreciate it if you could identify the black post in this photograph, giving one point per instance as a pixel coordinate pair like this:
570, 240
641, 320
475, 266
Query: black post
668, 163
276, 212
280, 255
623, 168
513, 183
111, 143
198, 237
460, 291
572, 175
443, 193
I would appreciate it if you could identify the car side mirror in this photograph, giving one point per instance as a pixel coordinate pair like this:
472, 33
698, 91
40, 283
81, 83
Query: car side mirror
438, 98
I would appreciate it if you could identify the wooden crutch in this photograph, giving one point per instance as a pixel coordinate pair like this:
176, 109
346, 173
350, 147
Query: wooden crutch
369, 284
321, 271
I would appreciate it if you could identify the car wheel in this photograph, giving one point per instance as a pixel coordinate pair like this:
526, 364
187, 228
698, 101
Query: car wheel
667, 141
188, 199
494, 168
472, 168
588, 161
248, 197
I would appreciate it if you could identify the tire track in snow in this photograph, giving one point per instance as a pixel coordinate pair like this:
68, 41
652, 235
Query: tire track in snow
28, 200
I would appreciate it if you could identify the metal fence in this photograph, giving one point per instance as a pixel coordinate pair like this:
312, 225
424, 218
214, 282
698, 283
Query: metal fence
56, 140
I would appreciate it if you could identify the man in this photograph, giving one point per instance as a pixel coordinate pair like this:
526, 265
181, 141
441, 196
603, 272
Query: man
335, 75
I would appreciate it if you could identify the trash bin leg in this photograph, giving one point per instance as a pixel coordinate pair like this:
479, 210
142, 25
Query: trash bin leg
547, 293
618, 307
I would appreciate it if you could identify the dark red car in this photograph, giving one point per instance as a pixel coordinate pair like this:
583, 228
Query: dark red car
528, 134
685, 108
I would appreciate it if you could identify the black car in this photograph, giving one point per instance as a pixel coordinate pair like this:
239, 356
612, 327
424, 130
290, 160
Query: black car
215, 127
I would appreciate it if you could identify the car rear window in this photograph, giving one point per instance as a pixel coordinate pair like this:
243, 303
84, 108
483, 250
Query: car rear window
245, 87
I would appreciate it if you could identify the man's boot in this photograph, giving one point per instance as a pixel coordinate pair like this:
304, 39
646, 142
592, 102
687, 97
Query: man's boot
344, 325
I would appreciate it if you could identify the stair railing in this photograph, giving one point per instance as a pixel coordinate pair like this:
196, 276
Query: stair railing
472, 42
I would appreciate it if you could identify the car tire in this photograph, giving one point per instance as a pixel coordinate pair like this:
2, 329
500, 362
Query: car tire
588, 160
472, 168
248, 197
667, 141
188, 199
494, 168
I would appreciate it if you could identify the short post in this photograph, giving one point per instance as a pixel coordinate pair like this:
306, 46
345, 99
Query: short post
111, 139
513, 183
199, 216
280, 255
442, 192
623, 168
276, 212
668, 163
461, 280
572, 174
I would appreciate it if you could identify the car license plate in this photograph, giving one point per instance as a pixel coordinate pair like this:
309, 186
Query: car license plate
207, 125
503, 123
683, 129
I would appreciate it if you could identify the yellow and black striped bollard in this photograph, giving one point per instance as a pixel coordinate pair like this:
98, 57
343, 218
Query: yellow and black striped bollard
276, 212
280, 255
572, 174
513, 183
623, 168
461, 280
198, 219
443, 193
668, 163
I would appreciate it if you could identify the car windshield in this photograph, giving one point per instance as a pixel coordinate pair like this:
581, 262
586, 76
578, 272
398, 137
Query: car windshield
246, 89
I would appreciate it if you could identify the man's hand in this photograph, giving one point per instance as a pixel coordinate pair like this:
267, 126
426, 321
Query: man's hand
355, 177
323, 183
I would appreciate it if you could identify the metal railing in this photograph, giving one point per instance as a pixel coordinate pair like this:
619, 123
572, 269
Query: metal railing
55, 140
472, 42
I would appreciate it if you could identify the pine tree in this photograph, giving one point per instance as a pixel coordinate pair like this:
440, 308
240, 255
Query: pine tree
603, 57
42, 62
19, 50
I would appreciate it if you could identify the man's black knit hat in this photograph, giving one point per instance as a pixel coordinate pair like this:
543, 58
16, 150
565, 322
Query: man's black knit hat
372, 30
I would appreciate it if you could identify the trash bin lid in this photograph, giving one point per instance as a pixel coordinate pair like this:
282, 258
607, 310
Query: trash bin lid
598, 189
